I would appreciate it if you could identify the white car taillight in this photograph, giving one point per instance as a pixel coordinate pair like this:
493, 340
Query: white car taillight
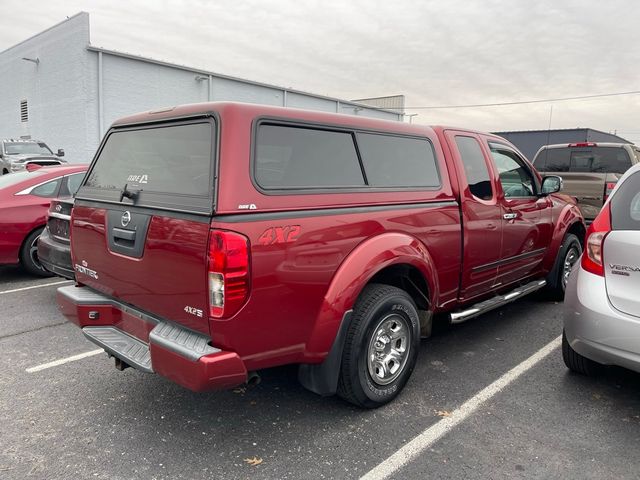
592, 259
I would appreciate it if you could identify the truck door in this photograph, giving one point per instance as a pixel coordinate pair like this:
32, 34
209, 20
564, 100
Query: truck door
481, 214
526, 217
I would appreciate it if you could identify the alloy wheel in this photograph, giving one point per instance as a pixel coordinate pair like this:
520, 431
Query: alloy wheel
388, 349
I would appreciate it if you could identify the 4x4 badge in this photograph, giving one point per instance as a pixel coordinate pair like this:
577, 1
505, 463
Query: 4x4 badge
126, 218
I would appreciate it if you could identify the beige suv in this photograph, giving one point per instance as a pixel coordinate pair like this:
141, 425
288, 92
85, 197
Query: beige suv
589, 170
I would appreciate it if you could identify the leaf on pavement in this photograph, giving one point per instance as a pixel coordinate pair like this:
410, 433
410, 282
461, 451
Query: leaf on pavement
254, 462
443, 413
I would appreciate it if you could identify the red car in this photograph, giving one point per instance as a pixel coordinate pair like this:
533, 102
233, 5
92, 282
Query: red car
24, 202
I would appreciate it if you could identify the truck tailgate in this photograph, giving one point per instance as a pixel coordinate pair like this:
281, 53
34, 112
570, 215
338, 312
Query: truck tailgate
140, 224
164, 278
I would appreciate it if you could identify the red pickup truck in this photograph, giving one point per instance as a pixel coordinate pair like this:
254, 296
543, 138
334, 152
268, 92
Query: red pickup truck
211, 241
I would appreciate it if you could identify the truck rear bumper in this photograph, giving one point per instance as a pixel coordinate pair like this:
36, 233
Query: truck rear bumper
151, 344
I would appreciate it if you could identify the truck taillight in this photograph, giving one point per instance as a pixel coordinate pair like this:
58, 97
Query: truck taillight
608, 188
583, 144
228, 272
592, 258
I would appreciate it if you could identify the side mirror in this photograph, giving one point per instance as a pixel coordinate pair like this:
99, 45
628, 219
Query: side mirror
60, 152
551, 184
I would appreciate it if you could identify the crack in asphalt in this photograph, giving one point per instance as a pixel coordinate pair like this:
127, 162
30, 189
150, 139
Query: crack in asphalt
2, 337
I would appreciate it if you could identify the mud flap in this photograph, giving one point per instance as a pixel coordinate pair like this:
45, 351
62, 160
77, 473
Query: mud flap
322, 378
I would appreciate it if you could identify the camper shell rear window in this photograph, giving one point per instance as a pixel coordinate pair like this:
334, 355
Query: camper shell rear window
167, 166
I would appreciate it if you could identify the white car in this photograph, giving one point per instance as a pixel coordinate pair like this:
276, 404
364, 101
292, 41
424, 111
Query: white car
602, 302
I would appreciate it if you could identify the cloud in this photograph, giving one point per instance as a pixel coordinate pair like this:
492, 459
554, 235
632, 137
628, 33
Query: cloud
434, 52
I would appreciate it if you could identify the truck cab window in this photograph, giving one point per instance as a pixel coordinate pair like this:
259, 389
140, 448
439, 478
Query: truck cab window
600, 160
557, 160
515, 177
475, 167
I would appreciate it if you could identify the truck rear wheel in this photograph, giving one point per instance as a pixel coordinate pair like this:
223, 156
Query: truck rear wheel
381, 346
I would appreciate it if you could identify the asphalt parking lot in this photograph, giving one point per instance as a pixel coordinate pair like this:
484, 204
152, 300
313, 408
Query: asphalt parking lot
85, 419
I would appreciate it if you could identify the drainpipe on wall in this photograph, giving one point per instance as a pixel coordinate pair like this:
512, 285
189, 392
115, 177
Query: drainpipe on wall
100, 99
210, 94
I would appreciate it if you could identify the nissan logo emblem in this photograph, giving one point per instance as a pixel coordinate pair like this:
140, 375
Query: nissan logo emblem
126, 218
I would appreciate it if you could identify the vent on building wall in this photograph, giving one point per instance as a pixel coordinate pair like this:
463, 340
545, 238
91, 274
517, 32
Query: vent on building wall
24, 111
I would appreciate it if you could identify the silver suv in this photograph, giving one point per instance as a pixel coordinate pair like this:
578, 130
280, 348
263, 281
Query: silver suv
602, 316
17, 154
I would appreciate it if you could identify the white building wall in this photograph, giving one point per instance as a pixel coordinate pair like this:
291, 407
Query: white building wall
131, 86
225, 89
72, 94
298, 100
57, 89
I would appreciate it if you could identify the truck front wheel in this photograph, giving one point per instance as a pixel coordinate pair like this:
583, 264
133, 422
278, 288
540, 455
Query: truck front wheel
568, 255
381, 346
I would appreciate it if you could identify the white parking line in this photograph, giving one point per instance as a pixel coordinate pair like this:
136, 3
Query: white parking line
432, 434
62, 361
35, 286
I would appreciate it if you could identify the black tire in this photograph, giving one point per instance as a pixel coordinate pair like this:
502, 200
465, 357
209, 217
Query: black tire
568, 254
377, 308
5, 171
576, 362
29, 255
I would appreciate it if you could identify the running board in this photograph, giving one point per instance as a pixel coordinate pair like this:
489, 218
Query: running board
496, 302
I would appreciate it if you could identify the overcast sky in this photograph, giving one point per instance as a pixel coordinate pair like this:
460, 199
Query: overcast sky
434, 52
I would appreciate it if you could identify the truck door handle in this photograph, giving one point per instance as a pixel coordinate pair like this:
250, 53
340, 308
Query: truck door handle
510, 216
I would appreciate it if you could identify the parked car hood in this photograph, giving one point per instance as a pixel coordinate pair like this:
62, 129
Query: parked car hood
32, 156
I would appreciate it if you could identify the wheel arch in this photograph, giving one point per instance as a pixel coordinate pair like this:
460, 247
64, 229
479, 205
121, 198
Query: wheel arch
24, 241
392, 258
406, 277
570, 220
579, 230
